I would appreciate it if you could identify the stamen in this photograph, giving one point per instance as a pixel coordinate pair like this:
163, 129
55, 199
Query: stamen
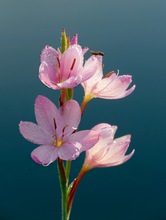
63, 130
72, 66
55, 124
58, 61
93, 52
108, 74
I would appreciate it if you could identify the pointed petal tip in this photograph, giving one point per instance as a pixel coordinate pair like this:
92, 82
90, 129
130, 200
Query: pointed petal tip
36, 159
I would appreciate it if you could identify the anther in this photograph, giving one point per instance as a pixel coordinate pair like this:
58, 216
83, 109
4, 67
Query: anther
108, 74
55, 124
72, 66
58, 61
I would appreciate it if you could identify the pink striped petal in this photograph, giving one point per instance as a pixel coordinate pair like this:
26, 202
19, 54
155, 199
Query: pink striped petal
107, 151
114, 87
70, 114
46, 113
90, 84
71, 62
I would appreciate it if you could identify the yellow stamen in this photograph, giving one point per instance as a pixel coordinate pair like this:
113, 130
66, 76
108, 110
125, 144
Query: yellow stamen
58, 143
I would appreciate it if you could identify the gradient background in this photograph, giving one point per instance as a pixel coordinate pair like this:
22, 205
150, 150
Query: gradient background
132, 34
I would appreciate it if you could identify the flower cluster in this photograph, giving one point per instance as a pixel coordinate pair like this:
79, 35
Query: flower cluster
56, 131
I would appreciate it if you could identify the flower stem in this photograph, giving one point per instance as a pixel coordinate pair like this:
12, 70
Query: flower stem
74, 187
68, 166
63, 185
86, 99
62, 98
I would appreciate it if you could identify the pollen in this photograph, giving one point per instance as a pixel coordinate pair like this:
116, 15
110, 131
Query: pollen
58, 143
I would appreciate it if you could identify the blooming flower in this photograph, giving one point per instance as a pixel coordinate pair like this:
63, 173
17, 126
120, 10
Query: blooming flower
55, 132
66, 70
111, 86
107, 151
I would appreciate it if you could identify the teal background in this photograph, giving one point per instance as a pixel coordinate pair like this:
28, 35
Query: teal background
132, 35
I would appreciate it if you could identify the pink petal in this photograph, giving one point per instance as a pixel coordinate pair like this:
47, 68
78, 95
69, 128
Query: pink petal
105, 130
46, 113
69, 151
90, 68
49, 55
34, 133
127, 157
74, 40
71, 62
70, 114
49, 64
114, 87
48, 71
72, 82
44, 73
86, 138
107, 151
44, 154
115, 154
116, 151
90, 84
84, 50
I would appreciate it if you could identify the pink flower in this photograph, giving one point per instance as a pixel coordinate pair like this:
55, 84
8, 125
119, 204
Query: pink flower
55, 132
66, 70
111, 86
107, 151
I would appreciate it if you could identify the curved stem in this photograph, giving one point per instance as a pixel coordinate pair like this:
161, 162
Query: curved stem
86, 99
74, 187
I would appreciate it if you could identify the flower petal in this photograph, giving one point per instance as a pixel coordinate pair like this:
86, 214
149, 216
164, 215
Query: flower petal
90, 84
90, 67
44, 154
43, 76
49, 55
108, 152
87, 139
105, 130
74, 40
69, 150
46, 113
48, 72
114, 87
34, 133
116, 151
71, 62
70, 114
72, 82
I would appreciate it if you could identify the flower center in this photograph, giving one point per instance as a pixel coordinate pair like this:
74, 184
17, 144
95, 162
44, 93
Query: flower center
58, 143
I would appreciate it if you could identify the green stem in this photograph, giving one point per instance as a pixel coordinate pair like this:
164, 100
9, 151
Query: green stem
69, 94
63, 185
68, 166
